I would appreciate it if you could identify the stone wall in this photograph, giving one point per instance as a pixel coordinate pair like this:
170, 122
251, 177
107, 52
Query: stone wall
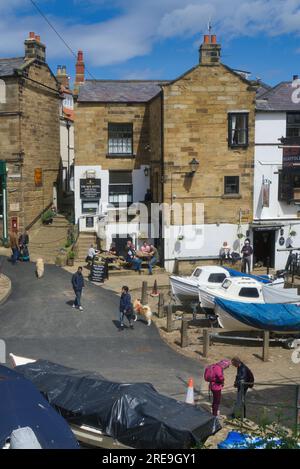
196, 110
91, 134
155, 131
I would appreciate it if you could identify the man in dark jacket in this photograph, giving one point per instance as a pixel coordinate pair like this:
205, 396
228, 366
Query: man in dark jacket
247, 252
244, 375
78, 284
126, 308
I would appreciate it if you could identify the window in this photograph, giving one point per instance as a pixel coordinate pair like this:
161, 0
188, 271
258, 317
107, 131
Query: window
226, 284
237, 129
120, 139
289, 185
249, 293
197, 273
90, 206
120, 187
293, 124
231, 185
216, 278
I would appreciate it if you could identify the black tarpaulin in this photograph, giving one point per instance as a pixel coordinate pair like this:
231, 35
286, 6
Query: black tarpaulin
134, 414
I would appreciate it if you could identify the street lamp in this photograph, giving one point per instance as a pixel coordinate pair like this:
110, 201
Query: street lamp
194, 166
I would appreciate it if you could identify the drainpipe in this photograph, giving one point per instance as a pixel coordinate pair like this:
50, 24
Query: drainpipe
3, 175
68, 125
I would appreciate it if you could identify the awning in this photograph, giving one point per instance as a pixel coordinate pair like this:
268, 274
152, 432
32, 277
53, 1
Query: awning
266, 227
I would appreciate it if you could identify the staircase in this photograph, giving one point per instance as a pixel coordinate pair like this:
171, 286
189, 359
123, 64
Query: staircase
83, 244
45, 241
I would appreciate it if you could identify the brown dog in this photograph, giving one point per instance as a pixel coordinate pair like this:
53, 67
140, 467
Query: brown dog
142, 310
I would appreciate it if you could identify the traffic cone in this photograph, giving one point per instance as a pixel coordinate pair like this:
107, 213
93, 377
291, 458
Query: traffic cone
154, 290
190, 392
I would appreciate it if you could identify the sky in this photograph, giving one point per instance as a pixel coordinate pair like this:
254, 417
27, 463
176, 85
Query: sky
158, 39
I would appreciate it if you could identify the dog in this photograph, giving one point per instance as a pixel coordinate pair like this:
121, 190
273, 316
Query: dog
39, 267
142, 310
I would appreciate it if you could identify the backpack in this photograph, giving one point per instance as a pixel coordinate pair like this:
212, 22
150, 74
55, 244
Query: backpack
210, 373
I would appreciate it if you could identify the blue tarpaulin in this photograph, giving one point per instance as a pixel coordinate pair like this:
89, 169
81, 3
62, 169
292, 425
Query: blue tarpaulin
266, 316
237, 440
22, 405
259, 278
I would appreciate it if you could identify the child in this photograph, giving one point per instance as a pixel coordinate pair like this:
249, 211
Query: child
125, 308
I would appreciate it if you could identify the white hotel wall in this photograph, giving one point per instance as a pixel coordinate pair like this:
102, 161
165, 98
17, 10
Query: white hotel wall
269, 127
140, 185
200, 241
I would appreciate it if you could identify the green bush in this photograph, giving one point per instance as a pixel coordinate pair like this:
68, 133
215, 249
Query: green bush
71, 255
47, 215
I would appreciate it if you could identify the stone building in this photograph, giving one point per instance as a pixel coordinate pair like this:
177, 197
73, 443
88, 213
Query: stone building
190, 140
29, 136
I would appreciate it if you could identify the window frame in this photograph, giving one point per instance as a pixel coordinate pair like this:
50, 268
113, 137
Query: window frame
238, 185
124, 184
289, 126
230, 142
118, 154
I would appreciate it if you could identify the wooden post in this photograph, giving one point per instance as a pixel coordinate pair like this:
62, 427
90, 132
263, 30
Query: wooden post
268, 265
184, 333
176, 267
144, 299
161, 302
169, 318
205, 342
266, 346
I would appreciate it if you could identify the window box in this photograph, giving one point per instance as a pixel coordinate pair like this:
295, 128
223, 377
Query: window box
238, 129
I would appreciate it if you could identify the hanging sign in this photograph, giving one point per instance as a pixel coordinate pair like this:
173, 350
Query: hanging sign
266, 193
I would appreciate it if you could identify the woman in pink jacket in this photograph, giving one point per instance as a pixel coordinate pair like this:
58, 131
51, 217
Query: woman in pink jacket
217, 384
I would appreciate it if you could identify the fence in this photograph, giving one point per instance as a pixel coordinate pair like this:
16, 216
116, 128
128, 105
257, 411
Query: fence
272, 402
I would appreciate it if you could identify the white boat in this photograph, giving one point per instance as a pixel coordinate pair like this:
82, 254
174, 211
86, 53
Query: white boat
185, 289
242, 289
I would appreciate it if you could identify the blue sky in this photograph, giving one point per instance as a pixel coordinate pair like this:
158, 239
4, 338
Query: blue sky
150, 39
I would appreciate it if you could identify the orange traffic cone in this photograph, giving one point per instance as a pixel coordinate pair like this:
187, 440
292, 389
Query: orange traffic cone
190, 392
155, 290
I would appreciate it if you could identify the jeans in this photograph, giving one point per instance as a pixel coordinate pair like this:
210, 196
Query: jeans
15, 255
136, 264
77, 301
239, 409
216, 401
246, 261
129, 318
152, 263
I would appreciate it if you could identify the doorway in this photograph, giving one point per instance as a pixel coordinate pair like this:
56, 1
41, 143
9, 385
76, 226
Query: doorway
264, 247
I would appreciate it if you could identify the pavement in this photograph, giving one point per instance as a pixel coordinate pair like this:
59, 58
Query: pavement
38, 321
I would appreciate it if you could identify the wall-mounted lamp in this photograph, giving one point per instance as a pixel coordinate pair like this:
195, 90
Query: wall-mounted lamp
194, 166
146, 172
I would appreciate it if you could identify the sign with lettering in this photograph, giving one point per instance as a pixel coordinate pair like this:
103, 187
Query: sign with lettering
90, 189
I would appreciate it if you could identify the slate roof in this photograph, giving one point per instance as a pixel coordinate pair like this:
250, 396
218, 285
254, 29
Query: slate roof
278, 98
263, 87
7, 66
119, 91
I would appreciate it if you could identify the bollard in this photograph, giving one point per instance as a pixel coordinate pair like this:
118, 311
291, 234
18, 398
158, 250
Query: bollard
144, 298
169, 318
161, 302
184, 333
266, 346
205, 342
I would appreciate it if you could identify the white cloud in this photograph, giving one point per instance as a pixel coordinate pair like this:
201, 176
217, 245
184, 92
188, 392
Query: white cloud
139, 24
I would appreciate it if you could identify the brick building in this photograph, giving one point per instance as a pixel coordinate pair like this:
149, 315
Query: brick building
29, 136
189, 140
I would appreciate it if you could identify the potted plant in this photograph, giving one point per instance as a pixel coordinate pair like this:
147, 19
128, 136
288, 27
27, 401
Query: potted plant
70, 258
293, 233
47, 217
240, 235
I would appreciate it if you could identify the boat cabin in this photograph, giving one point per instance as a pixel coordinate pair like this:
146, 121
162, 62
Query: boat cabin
241, 289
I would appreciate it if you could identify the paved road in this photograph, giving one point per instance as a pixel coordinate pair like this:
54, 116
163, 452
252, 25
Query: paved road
38, 321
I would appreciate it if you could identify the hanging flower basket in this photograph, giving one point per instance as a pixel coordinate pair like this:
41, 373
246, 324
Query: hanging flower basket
240, 235
293, 233
180, 237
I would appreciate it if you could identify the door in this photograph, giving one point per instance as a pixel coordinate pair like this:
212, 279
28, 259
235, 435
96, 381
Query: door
264, 247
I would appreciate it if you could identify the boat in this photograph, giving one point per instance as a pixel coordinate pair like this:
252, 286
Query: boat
242, 316
235, 288
27, 415
134, 415
185, 289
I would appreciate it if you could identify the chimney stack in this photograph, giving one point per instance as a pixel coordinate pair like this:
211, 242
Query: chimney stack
210, 51
62, 76
79, 70
34, 49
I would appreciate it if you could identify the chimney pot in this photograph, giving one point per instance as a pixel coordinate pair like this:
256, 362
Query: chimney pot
214, 39
38, 38
80, 56
31, 35
206, 39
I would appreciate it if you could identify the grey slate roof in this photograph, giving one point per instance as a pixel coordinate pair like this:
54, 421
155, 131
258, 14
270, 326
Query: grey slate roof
278, 98
119, 91
7, 66
262, 89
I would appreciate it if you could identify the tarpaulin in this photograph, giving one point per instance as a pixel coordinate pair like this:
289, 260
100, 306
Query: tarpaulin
266, 316
22, 405
134, 414
259, 278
